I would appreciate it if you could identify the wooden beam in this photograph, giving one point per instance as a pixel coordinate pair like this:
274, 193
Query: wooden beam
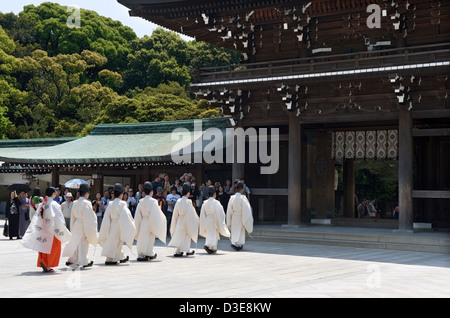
430, 194
269, 191
431, 132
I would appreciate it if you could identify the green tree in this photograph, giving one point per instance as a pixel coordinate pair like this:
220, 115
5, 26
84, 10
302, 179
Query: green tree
10, 96
99, 34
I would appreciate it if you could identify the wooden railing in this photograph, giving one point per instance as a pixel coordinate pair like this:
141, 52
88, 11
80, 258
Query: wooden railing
341, 62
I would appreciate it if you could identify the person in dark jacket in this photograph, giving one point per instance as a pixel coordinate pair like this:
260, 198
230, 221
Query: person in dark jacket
12, 214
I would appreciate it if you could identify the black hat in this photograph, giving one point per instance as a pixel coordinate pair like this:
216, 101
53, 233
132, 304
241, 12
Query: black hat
186, 189
148, 185
84, 188
49, 191
118, 187
36, 192
211, 191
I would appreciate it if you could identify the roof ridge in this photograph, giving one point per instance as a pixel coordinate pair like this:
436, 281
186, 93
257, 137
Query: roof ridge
158, 127
35, 142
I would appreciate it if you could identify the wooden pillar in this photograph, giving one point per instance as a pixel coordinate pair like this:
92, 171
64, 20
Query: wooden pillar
237, 169
55, 177
320, 175
199, 174
294, 171
98, 183
405, 170
349, 188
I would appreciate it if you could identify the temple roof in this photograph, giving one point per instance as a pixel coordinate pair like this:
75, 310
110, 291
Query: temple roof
116, 143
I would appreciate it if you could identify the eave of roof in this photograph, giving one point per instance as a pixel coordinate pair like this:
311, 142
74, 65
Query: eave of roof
119, 143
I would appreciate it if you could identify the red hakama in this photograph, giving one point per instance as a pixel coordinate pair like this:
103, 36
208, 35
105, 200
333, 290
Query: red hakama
52, 259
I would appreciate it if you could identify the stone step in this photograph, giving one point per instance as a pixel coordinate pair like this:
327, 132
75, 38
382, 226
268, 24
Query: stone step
355, 237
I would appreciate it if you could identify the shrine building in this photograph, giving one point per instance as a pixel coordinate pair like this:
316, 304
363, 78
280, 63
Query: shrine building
342, 80
338, 81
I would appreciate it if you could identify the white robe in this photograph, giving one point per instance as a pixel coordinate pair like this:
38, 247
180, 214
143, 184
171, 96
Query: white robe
42, 229
212, 222
184, 225
150, 223
239, 218
117, 227
83, 224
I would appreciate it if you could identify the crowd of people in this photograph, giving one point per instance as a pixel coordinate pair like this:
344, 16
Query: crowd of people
159, 209
167, 191
20, 208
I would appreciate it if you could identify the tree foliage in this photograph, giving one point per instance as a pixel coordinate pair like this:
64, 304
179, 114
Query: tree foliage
57, 80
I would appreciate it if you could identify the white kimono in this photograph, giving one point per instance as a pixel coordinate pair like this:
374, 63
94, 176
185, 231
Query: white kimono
83, 223
184, 225
117, 227
40, 232
150, 223
239, 218
212, 222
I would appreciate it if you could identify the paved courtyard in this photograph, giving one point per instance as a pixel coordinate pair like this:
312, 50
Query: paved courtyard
260, 270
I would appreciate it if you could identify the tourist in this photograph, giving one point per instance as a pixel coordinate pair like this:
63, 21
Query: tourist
395, 212
166, 185
371, 209
227, 187
131, 201
212, 222
239, 217
36, 198
139, 195
362, 208
179, 187
98, 205
161, 198
24, 213
246, 190
171, 200
66, 208
58, 198
157, 183
12, 214
83, 225
194, 196
223, 197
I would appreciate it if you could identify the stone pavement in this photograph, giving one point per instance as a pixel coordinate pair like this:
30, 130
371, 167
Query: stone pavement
260, 270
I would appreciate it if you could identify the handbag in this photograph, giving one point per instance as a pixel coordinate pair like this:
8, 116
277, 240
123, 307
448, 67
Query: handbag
6, 229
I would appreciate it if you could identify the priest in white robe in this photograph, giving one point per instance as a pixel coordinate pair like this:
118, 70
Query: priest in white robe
83, 223
151, 223
184, 226
212, 221
239, 217
117, 227
47, 232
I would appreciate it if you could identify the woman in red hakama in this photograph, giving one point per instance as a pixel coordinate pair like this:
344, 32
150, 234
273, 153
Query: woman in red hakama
46, 261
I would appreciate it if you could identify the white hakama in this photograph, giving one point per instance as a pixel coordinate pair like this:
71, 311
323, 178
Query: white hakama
184, 226
212, 223
150, 223
44, 226
83, 223
117, 227
239, 218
